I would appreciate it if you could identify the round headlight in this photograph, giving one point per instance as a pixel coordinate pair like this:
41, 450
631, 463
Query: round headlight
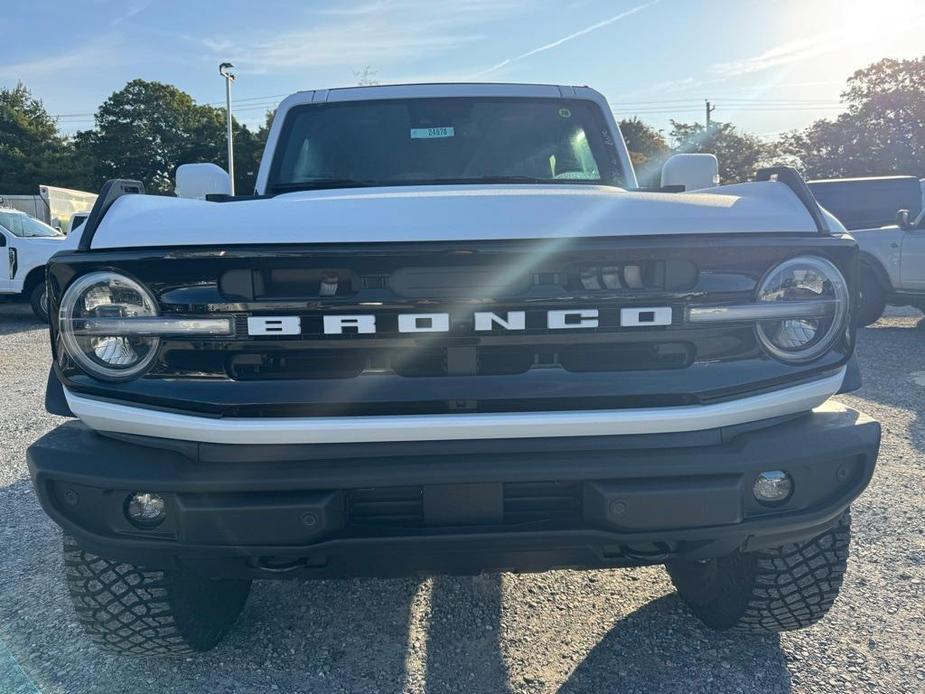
821, 290
106, 295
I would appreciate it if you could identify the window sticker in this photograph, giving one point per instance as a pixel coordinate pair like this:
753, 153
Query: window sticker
432, 133
564, 113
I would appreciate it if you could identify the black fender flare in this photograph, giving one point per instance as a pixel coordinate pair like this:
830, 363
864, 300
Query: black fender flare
33, 277
868, 263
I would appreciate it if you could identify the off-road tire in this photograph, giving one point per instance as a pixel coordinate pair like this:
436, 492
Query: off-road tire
772, 590
873, 298
39, 300
130, 610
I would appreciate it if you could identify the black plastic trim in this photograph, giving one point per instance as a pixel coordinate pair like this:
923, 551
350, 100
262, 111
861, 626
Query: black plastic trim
109, 193
853, 379
55, 401
790, 177
831, 455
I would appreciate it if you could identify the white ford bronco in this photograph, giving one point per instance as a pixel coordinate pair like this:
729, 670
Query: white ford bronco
448, 333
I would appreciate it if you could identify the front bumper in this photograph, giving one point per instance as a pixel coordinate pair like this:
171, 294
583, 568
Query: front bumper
454, 506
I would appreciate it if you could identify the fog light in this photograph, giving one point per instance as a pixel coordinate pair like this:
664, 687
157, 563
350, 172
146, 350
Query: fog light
145, 509
772, 486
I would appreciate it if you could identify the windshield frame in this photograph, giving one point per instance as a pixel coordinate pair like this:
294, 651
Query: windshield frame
612, 168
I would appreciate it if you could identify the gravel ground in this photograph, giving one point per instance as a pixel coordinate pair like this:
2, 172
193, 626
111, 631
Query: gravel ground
568, 631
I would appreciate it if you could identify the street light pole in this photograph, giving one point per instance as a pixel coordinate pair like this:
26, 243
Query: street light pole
224, 71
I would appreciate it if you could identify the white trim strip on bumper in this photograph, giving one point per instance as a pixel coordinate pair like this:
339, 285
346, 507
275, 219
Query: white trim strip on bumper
125, 419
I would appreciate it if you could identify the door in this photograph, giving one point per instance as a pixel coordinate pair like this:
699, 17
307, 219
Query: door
912, 265
6, 269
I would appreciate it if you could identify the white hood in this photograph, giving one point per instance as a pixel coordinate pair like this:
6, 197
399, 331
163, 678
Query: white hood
448, 213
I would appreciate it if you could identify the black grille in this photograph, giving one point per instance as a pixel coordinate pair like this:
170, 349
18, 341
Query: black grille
385, 508
389, 371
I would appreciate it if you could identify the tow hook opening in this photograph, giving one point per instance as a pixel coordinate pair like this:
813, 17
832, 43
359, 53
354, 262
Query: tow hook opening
283, 565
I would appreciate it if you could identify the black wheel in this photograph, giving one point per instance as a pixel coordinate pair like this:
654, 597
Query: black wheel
39, 300
130, 610
873, 298
773, 590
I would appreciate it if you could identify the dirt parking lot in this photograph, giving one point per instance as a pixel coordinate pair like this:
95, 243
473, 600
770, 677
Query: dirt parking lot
603, 631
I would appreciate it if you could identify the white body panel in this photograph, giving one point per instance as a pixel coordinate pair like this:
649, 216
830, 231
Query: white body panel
901, 253
31, 254
107, 416
450, 213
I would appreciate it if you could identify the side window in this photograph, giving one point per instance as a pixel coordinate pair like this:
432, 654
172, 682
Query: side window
12, 223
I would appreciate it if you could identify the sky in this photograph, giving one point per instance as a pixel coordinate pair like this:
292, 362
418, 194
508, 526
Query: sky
766, 65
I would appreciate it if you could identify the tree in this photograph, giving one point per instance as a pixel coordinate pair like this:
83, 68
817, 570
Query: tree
30, 146
648, 149
146, 129
882, 132
739, 154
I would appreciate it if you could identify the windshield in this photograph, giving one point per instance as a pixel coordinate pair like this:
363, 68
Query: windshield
445, 140
24, 226
77, 220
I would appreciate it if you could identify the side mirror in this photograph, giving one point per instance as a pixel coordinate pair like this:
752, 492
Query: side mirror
904, 220
693, 171
198, 180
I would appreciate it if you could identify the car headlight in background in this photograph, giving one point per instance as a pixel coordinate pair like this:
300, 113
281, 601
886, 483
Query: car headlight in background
817, 294
106, 296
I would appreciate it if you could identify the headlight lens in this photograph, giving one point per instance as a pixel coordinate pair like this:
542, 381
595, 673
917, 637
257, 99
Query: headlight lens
804, 279
107, 295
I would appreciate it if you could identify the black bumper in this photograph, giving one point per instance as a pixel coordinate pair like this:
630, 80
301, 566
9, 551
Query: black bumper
453, 507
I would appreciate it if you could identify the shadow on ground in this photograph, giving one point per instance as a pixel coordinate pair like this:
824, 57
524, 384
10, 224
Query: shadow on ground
896, 348
660, 647
353, 635
17, 318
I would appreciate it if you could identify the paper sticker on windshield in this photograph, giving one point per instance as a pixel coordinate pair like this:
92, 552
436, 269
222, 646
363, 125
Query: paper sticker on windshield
432, 133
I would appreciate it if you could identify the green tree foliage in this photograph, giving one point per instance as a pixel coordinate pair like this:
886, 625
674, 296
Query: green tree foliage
147, 129
30, 147
739, 154
648, 149
882, 132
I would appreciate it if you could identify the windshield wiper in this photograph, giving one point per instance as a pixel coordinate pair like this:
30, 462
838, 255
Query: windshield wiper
329, 183
492, 179
323, 184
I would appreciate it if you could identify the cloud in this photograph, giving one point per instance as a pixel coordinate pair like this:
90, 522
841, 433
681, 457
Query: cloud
373, 33
569, 37
131, 9
846, 37
783, 54
88, 55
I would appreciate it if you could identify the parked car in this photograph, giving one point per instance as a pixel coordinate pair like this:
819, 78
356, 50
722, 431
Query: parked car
27, 244
892, 243
450, 334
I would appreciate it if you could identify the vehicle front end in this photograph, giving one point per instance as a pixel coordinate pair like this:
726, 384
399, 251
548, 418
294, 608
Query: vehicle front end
459, 379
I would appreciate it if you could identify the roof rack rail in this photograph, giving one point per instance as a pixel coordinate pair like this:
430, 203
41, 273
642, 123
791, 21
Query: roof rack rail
790, 177
109, 193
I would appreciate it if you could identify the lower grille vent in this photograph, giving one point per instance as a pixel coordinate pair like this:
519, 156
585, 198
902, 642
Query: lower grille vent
523, 502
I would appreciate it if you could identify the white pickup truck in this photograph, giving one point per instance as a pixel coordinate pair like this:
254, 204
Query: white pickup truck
886, 216
450, 333
26, 245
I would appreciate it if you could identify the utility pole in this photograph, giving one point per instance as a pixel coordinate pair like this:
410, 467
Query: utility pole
710, 109
223, 70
